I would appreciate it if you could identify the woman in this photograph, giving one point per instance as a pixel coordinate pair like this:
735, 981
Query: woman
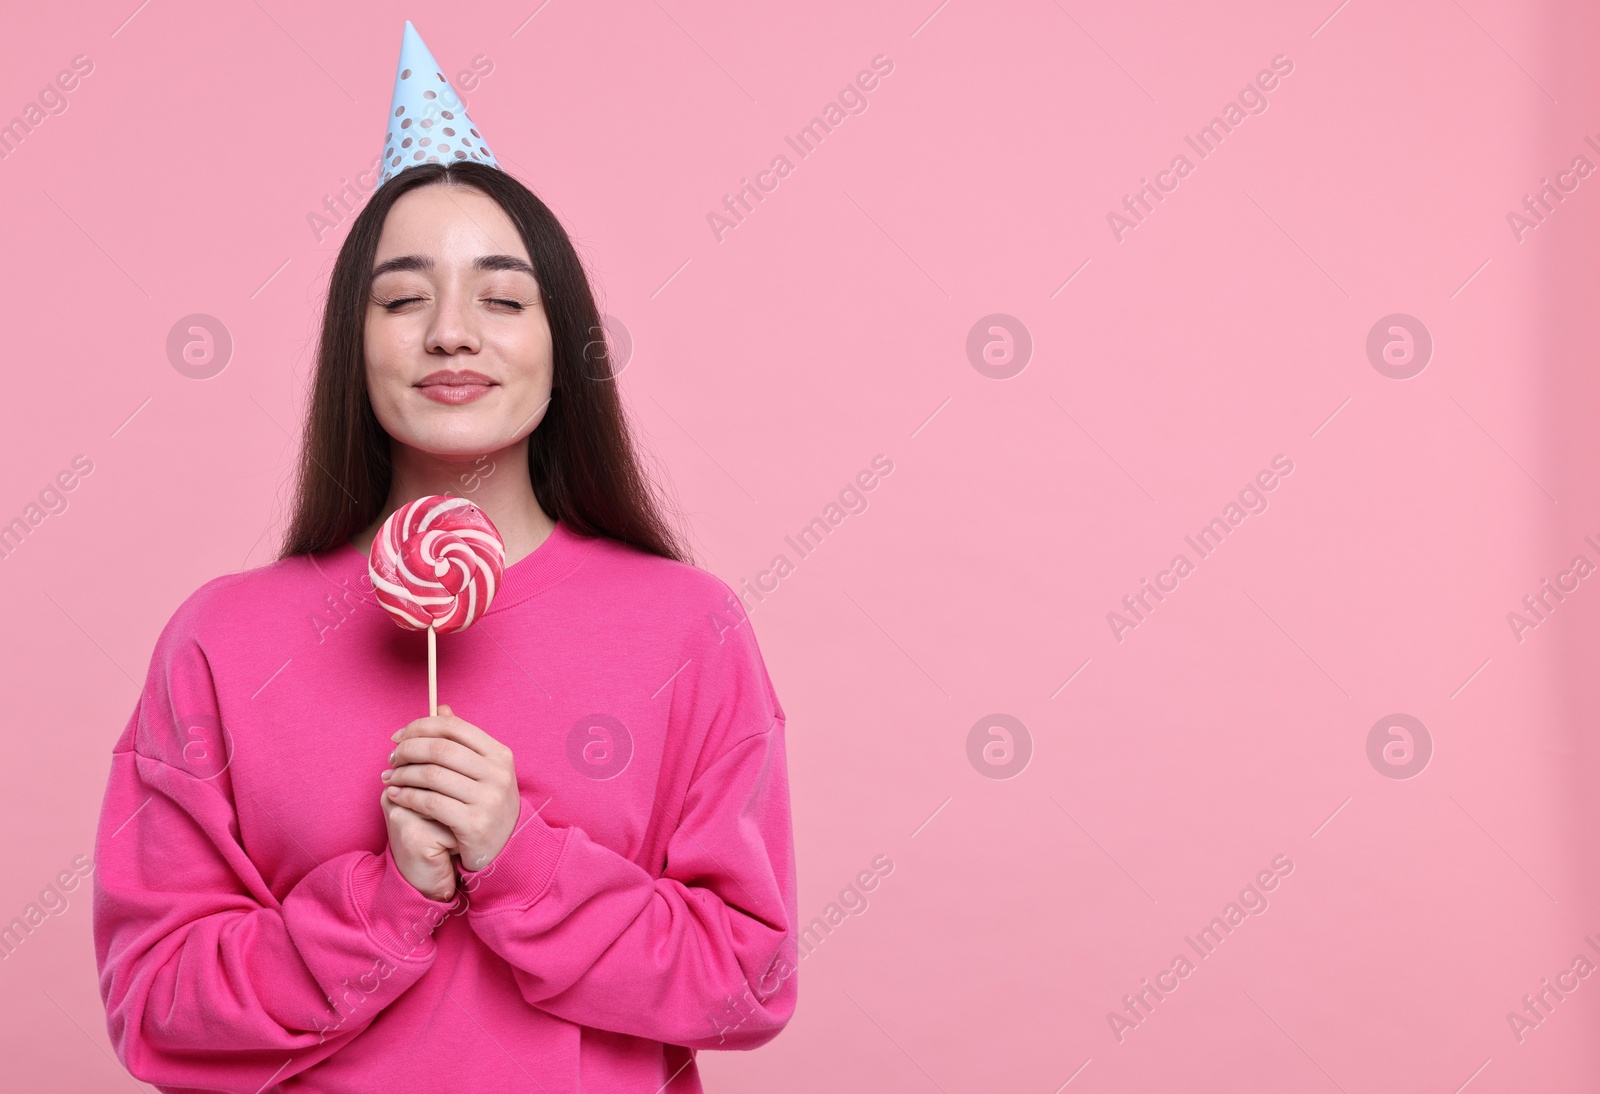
582, 869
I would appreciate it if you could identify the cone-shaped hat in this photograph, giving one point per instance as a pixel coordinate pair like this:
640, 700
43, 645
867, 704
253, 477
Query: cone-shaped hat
427, 120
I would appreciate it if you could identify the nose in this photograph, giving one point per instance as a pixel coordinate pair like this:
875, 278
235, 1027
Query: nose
453, 327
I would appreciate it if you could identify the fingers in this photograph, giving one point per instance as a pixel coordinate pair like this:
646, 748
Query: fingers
395, 813
433, 805
448, 726
452, 784
443, 752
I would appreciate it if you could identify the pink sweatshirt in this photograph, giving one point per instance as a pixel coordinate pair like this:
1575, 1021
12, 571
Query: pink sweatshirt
253, 933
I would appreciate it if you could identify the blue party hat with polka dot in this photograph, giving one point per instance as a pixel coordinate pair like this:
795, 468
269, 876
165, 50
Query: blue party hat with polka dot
428, 122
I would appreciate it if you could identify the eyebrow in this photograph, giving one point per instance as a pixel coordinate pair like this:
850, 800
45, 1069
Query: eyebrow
482, 262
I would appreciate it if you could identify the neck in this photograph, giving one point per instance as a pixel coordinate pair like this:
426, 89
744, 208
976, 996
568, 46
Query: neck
496, 482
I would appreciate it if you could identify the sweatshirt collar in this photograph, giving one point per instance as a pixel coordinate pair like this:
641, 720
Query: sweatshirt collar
562, 552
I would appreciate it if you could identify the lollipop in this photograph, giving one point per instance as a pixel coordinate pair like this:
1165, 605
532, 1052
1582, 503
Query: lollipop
435, 566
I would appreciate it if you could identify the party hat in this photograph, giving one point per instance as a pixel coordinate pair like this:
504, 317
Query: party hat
427, 120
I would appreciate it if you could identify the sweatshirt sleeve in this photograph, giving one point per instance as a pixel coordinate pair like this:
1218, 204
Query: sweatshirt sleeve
209, 980
703, 956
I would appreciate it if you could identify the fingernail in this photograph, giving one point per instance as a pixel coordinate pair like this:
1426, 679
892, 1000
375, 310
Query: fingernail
391, 756
385, 775
396, 735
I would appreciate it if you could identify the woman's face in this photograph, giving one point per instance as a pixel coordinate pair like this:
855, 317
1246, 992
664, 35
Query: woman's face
458, 357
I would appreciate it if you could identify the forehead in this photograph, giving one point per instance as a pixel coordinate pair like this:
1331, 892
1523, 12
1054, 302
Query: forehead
448, 223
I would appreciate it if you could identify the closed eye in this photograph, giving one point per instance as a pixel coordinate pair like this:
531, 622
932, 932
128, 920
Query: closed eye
393, 304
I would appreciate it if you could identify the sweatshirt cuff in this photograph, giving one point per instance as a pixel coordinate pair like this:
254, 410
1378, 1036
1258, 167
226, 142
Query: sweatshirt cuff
522, 871
398, 916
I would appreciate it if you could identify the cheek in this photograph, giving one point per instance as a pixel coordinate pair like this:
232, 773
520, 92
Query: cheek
375, 345
385, 380
528, 356
384, 335
531, 367
388, 346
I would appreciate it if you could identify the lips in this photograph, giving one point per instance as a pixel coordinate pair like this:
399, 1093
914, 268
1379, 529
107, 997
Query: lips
454, 378
455, 387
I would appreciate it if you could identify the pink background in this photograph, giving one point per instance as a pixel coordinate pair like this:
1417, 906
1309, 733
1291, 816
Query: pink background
1229, 727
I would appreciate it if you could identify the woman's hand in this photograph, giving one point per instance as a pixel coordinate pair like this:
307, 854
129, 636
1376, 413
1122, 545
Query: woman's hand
452, 772
421, 849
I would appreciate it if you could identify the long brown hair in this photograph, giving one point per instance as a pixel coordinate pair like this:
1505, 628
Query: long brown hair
581, 457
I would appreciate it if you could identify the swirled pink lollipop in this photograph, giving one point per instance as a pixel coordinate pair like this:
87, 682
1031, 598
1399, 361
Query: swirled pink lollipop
435, 565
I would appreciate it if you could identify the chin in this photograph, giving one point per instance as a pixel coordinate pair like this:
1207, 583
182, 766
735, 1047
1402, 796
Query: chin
456, 449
